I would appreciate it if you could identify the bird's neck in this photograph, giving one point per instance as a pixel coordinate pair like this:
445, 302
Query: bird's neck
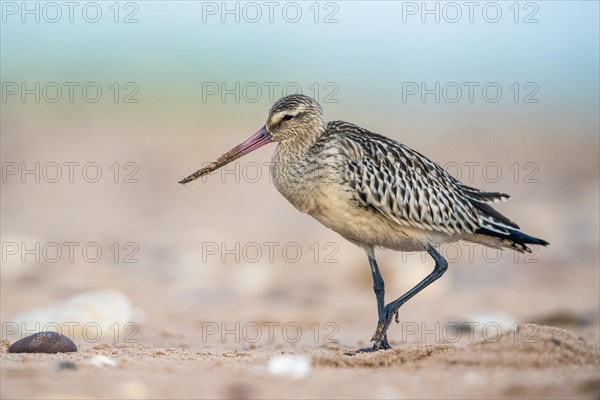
300, 143
292, 167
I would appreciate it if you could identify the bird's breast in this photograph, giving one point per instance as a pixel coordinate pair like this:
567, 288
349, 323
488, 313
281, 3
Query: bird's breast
300, 181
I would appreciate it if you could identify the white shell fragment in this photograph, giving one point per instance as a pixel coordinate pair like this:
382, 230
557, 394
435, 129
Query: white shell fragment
102, 361
291, 366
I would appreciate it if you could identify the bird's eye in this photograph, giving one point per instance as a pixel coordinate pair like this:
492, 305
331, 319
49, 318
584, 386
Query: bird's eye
287, 117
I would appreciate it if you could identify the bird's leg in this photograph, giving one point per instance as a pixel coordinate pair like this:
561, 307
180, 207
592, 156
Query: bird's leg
379, 289
391, 310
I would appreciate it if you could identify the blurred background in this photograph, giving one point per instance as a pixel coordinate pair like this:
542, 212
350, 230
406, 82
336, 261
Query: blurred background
105, 106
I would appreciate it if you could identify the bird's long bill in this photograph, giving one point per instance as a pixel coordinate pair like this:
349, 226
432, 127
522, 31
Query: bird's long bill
259, 139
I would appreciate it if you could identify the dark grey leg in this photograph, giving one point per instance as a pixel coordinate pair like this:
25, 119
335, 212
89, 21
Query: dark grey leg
391, 310
379, 289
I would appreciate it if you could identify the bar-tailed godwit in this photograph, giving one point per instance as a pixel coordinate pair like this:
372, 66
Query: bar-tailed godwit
374, 192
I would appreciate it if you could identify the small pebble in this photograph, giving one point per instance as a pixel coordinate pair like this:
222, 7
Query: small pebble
65, 365
102, 361
291, 366
43, 342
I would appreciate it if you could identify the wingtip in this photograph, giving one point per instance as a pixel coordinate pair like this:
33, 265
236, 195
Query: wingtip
502, 198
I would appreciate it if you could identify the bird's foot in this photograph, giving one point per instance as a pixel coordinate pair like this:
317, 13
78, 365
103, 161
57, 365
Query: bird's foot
383, 346
379, 339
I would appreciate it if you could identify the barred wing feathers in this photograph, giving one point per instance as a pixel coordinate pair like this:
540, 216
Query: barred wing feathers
411, 190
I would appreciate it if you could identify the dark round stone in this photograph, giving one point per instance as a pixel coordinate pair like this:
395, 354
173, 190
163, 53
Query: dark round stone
43, 342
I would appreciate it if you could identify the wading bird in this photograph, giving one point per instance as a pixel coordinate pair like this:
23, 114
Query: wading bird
375, 192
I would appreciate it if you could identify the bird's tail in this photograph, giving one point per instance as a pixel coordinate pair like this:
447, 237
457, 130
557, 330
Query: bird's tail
514, 239
497, 226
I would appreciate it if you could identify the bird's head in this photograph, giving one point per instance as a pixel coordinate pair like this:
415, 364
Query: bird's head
295, 119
